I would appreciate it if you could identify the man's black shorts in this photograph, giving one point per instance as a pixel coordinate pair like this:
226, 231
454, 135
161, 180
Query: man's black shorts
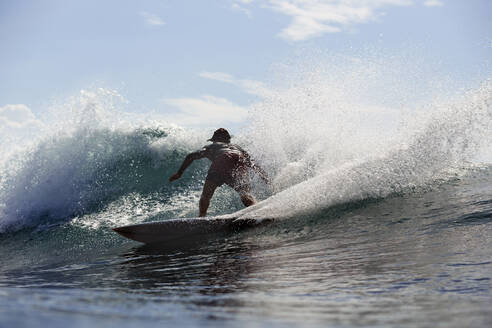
230, 169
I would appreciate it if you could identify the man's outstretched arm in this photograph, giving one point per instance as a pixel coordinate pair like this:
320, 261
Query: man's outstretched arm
187, 161
252, 164
263, 175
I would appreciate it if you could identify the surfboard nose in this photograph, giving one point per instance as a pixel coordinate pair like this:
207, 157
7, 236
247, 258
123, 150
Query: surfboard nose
124, 231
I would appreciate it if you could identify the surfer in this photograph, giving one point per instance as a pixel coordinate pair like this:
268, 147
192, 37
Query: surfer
230, 165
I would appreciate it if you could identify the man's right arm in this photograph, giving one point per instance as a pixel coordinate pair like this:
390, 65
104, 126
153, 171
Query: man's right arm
187, 162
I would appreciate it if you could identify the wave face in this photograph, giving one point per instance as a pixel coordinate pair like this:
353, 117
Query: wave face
322, 140
69, 175
84, 164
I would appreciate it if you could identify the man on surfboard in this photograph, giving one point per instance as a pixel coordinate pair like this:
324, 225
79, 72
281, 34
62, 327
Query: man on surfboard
230, 165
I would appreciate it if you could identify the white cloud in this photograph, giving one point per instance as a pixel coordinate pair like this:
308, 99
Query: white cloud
151, 19
311, 18
238, 7
206, 111
433, 3
253, 87
218, 76
16, 116
17, 123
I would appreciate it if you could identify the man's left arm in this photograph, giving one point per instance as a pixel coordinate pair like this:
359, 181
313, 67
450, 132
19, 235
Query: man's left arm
252, 164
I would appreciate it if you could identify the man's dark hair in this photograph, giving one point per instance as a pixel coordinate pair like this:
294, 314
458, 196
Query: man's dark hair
221, 135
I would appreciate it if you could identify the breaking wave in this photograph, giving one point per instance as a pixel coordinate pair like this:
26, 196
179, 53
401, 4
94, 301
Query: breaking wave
321, 145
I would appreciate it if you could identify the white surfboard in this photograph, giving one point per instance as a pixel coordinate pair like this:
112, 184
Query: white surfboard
183, 229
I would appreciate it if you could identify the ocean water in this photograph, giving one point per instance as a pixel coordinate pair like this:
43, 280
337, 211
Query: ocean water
383, 217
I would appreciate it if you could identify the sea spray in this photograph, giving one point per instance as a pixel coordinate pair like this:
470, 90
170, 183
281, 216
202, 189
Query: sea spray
448, 138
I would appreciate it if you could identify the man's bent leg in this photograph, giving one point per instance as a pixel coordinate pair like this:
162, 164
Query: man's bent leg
207, 193
248, 199
244, 190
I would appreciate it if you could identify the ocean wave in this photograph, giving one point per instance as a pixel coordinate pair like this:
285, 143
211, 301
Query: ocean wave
318, 156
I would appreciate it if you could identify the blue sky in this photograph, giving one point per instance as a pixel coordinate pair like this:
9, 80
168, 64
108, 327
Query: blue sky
188, 59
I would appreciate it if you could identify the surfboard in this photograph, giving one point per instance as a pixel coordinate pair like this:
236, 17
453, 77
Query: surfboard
185, 229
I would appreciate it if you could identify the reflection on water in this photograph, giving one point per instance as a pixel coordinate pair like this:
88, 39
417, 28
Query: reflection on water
208, 269
386, 270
